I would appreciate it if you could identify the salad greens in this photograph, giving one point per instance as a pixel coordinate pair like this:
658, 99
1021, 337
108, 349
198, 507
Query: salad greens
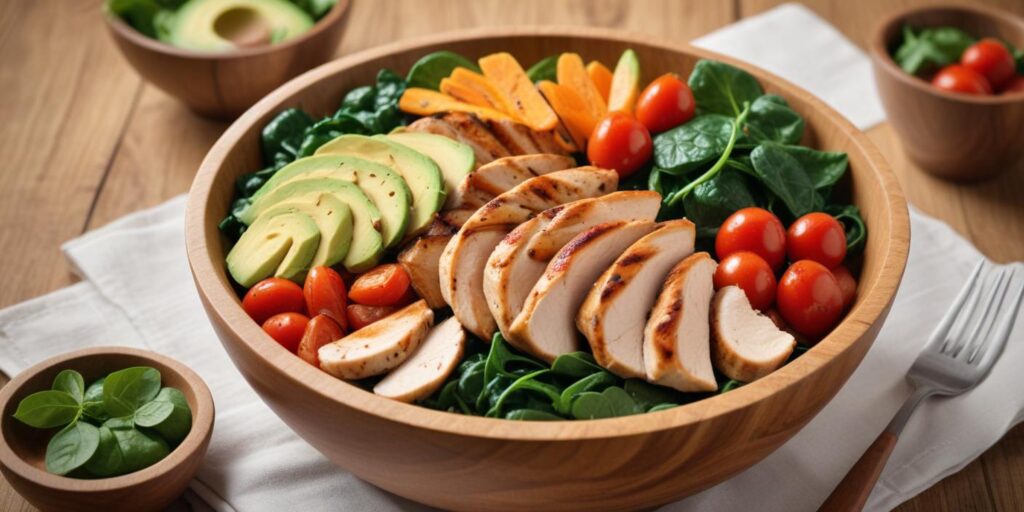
121, 423
429, 70
544, 69
929, 49
742, 150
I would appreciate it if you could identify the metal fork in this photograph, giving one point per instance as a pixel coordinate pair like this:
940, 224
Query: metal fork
960, 353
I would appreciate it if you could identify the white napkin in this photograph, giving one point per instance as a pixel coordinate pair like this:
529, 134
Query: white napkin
137, 290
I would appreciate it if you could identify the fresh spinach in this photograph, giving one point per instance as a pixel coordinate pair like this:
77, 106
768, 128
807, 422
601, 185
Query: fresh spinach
282, 137
691, 145
722, 89
609, 403
853, 224
532, 415
594, 382
48, 409
785, 177
737, 126
647, 396
824, 168
126, 390
716, 199
544, 69
70, 382
431, 68
575, 364
928, 50
72, 447
730, 385
771, 120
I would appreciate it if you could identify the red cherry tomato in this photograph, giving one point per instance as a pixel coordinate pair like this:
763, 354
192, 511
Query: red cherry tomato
320, 331
819, 237
325, 295
847, 284
619, 142
287, 329
957, 78
809, 298
383, 285
752, 274
756, 230
360, 316
992, 60
665, 103
272, 296
1014, 86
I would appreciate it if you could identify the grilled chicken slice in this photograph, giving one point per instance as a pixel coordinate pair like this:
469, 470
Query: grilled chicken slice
466, 129
546, 327
514, 136
613, 316
554, 142
676, 344
501, 175
521, 257
428, 367
420, 259
378, 347
456, 217
745, 345
463, 260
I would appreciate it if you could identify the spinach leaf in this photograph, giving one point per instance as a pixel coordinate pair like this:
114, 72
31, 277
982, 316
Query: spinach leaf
722, 89
471, 383
824, 168
737, 126
771, 120
856, 231
648, 396
784, 176
692, 144
48, 409
108, 459
137, 449
71, 448
532, 415
168, 414
526, 382
609, 403
431, 68
360, 98
575, 364
282, 136
662, 407
716, 199
126, 390
930, 49
500, 360
730, 385
70, 382
544, 69
594, 382
92, 403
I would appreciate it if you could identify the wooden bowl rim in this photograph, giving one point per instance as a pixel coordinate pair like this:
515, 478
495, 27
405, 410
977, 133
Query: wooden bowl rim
222, 302
880, 52
333, 17
202, 426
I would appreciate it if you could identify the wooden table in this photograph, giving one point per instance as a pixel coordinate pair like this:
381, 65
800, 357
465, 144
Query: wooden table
83, 141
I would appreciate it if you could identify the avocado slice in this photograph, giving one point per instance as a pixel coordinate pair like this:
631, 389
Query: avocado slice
367, 244
334, 220
220, 25
455, 159
383, 186
421, 173
280, 243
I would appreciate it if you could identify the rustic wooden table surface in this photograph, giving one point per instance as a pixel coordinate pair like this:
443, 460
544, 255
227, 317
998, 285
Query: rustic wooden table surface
83, 141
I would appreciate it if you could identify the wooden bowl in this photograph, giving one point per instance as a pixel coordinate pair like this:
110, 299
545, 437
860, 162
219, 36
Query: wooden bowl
472, 463
955, 136
222, 85
23, 448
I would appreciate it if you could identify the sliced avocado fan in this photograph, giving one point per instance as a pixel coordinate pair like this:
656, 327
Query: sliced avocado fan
454, 158
280, 243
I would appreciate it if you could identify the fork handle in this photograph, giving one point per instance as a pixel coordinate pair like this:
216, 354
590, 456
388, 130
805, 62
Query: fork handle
856, 486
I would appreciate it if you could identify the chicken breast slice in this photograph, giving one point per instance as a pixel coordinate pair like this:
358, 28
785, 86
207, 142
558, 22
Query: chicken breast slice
378, 347
461, 128
514, 136
546, 327
420, 260
676, 344
745, 345
501, 175
462, 263
428, 367
614, 314
520, 259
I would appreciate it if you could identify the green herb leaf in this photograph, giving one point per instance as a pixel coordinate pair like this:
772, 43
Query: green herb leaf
137, 449
785, 177
92, 402
126, 390
532, 415
48, 409
168, 414
771, 120
70, 448
609, 403
931, 49
693, 144
575, 364
544, 69
70, 382
431, 68
722, 89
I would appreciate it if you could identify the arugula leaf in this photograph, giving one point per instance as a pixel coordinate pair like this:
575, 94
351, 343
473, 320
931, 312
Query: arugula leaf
71, 448
48, 409
771, 120
544, 69
722, 89
785, 177
930, 49
126, 390
693, 144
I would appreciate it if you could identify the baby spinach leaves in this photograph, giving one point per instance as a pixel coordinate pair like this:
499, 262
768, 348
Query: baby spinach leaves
431, 68
691, 145
785, 177
722, 89
771, 120
929, 49
119, 424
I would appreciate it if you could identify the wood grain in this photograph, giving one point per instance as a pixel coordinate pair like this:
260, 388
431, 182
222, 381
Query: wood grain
47, 194
852, 492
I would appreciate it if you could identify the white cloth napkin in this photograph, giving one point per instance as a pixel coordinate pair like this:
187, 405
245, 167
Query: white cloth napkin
137, 290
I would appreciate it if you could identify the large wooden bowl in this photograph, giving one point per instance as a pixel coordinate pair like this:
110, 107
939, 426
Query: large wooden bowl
473, 463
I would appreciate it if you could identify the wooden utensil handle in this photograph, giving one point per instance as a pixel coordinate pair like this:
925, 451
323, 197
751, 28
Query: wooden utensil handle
853, 491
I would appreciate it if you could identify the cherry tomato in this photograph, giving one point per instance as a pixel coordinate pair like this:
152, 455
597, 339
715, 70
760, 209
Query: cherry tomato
957, 78
384, 285
992, 60
809, 298
756, 230
325, 294
1016, 85
272, 296
320, 331
847, 284
819, 237
620, 142
752, 274
665, 103
360, 316
286, 329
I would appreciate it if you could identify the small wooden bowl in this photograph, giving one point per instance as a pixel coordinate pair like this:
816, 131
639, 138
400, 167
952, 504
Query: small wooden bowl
472, 463
222, 85
23, 448
955, 136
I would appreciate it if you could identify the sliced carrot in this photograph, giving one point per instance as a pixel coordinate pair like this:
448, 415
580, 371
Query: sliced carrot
573, 75
425, 102
485, 88
518, 91
464, 94
571, 109
625, 83
602, 78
